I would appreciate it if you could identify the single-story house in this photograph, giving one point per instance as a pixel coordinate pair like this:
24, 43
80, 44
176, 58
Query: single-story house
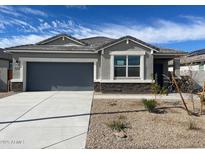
102, 64
192, 64
195, 60
5, 70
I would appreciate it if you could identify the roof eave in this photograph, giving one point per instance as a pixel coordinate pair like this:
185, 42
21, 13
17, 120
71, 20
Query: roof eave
50, 51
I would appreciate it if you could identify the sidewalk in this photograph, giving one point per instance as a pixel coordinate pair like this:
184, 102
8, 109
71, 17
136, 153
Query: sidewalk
170, 97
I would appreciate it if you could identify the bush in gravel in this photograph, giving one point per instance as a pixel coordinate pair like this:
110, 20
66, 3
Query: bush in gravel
117, 125
193, 125
150, 105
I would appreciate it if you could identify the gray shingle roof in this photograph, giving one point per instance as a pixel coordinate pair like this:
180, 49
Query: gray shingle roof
97, 41
195, 56
90, 44
4, 55
197, 52
53, 48
171, 51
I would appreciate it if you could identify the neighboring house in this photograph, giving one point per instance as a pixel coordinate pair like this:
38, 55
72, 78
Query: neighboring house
5, 72
63, 62
194, 62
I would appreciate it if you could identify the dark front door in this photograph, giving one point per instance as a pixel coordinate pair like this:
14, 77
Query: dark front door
48, 76
158, 70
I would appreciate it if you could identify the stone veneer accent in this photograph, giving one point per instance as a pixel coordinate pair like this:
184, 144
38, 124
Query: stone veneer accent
134, 88
97, 87
17, 86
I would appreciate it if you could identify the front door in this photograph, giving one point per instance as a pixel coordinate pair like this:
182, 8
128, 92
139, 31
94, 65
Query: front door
158, 71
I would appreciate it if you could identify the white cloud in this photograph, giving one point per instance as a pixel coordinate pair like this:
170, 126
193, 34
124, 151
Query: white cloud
17, 11
9, 10
44, 26
33, 11
6, 23
21, 40
16, 18
158, 32
162, 31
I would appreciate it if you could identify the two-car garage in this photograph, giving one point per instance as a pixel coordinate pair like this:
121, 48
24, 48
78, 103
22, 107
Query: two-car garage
52, 76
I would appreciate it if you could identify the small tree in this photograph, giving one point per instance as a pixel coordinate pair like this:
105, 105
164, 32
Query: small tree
202, 99
190, 85
180, 93
156, 88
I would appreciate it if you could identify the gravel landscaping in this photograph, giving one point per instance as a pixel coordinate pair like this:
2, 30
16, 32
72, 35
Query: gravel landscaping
172, 128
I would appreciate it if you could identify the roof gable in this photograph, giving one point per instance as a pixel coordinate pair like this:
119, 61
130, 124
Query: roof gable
129, 38
62, 39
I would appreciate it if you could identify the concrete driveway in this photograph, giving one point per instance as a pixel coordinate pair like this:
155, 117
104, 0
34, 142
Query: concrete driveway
45, 119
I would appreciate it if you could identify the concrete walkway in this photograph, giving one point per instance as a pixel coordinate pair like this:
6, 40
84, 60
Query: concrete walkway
45, 120
170, 97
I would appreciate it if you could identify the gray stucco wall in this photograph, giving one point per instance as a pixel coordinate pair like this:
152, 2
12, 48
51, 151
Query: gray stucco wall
4, 65
102, 70
123, 46
16, 70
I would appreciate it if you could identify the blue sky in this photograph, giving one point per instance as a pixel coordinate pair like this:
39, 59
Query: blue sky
181, 27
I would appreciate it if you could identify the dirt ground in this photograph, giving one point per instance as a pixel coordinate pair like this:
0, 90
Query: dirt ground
170, 129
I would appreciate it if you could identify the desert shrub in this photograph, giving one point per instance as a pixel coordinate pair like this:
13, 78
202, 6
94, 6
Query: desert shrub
150, 105
163, 90
117, 125
192, 125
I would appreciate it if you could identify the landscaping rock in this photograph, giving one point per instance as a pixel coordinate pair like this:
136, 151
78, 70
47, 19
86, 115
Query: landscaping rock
149, 130
120, 134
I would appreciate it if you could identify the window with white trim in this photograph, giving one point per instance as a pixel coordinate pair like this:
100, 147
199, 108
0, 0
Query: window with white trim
127, 66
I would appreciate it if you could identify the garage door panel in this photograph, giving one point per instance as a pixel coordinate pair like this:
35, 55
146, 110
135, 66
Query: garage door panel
59, 76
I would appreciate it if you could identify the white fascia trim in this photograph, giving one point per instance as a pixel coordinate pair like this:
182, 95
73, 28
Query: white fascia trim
131, 52
77, 60
51, 51
16, 80
65, 37
125, 39
126, 81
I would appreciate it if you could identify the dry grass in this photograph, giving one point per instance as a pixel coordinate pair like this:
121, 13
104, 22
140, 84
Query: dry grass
147, 130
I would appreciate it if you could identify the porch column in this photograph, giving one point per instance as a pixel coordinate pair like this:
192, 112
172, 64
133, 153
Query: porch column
176, 66
142, 67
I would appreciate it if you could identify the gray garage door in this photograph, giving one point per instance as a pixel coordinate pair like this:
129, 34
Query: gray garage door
44, 76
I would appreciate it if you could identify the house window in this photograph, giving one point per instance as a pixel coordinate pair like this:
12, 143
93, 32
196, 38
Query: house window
120, 63
127, 66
